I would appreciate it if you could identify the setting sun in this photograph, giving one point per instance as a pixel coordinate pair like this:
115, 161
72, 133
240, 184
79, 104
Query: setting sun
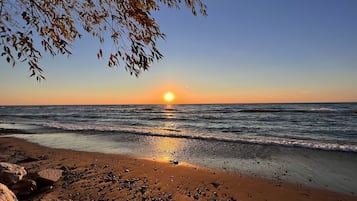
168, 96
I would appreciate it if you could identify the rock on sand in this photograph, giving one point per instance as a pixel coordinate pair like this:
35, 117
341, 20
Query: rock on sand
6, 194
11, 173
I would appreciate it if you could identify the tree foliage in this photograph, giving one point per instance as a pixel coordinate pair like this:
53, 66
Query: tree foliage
29, 28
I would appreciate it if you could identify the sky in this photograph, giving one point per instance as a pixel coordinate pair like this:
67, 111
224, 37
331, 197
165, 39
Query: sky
244, 51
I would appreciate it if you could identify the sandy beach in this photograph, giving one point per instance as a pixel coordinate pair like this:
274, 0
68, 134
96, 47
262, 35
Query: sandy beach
96, 176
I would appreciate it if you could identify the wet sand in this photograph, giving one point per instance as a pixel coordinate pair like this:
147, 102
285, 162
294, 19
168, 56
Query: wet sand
97, 176
329, 170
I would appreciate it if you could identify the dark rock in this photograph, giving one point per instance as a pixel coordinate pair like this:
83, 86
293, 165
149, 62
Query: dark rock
196, 196
142, 189
64, 168
43, 157
24, 187
11, 173
175, 162
27, 160
6, 194
215, 184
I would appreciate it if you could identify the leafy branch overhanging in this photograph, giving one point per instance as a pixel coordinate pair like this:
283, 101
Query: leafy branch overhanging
28, 28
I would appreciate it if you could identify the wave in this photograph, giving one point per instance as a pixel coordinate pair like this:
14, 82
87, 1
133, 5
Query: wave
172, 130
310, 110
168, 119
257, 140
276, 110
262, 110
176, 133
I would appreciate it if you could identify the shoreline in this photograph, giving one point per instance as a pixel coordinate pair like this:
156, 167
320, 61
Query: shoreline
329, 170
113, 176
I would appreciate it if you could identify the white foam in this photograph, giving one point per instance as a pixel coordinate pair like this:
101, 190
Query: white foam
79, 142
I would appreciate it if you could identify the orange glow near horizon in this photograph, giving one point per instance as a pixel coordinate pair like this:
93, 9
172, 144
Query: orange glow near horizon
172, 92
158, 97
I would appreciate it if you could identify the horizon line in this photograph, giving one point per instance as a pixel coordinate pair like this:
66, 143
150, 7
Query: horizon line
232, 103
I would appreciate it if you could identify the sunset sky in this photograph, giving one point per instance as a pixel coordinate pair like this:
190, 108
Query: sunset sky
244, 51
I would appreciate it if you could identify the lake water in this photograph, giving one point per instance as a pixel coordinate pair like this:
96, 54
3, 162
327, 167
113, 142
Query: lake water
310, 144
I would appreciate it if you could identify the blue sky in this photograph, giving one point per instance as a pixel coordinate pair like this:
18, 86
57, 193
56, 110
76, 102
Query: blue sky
243, 51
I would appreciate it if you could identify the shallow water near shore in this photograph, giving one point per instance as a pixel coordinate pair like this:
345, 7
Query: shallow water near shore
323, 169
308, 144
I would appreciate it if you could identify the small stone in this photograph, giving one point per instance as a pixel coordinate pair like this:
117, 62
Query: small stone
175, 162
215, 184
64, 168
196, 196
43, 157
188, 193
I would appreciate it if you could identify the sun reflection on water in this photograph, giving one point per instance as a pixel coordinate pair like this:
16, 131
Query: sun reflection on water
167, 147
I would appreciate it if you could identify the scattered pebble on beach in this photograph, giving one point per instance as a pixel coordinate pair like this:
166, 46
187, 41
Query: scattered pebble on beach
92, 176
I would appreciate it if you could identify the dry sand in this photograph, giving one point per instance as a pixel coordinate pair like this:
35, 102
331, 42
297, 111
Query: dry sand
96, 176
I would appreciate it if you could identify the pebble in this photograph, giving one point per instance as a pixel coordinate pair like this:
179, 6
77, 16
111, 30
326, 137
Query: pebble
196, 196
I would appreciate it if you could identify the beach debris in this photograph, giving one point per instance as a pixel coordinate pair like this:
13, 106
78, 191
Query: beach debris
175, 162
215, 184
24, 187
6, 194
11, 173
48, 177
